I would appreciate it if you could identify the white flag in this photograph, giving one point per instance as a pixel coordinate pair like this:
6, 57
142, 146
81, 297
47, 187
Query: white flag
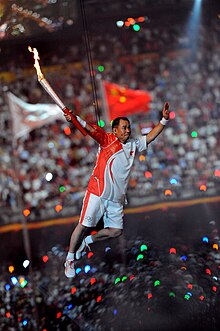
27, 117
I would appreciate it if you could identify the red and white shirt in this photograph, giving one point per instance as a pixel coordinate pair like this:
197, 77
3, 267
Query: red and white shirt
109, 179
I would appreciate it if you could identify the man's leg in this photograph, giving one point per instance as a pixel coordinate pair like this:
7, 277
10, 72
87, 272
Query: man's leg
75, 241
106, 233
102, 234
77, 237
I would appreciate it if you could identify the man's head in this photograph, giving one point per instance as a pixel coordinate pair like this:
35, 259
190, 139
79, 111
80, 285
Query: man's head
121, 128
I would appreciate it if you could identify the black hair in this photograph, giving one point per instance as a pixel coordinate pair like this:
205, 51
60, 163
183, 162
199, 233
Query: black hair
116, 121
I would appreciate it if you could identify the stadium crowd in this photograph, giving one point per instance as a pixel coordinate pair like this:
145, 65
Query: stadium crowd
185, 161
141, 286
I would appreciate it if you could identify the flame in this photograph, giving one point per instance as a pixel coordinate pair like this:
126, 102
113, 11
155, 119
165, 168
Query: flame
36, 62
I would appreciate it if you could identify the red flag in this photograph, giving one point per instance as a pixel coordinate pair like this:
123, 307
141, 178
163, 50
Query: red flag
122, 101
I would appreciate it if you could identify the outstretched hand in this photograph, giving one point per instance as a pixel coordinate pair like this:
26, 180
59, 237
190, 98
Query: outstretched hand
165, 111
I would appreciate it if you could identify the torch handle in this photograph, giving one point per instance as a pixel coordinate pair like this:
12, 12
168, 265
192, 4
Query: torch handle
74, 121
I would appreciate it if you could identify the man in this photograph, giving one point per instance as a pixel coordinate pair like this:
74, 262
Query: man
107, 186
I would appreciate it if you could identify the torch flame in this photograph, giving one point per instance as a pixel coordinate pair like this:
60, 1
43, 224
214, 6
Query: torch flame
36, 62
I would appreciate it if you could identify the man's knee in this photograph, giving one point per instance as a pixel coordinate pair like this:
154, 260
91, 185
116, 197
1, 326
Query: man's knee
115, 232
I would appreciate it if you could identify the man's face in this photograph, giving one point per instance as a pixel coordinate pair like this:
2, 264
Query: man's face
122, 131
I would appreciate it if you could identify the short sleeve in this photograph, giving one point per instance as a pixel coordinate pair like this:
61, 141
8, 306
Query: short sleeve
141, 143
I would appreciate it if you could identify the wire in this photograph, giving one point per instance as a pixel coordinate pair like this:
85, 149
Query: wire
89, 56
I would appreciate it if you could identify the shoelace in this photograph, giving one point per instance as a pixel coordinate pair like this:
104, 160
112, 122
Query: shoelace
69, 263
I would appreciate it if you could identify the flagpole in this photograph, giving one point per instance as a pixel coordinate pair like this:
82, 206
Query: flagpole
25, 232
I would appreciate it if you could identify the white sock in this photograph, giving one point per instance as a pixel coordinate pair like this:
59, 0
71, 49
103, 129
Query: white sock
89, 240
70, 256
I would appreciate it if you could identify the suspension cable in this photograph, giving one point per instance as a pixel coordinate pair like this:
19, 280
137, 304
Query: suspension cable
90, 62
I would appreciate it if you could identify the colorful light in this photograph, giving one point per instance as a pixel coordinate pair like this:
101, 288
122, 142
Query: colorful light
183, 258
157, 283
67, 130
92, 280
73, 290
208, 271
168, 193
117, 280
62, 189
58, 208
205, 239
89, 255
140, 257
136, 27
217, 173
194, 134
124, 278
11, 268
148, 174
173, 181
101, 68
172, 250
101, 123
49, 177
140, 19
14, 280
78, 270
143, 248
142, 158
45, 258
172, 294
215, 246
214, 288
119, 24
131, 20
7, 287
26, 212
26, 263
99, 298
203, 188
25, 322
87, 268
23, 283
172, 115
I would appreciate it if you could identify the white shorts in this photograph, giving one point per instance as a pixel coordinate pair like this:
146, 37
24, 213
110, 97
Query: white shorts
95, 207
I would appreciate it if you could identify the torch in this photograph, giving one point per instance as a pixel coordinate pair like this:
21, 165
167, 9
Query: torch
52, 93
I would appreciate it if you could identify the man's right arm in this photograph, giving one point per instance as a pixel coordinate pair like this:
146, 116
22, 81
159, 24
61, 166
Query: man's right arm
93, 130
84, 124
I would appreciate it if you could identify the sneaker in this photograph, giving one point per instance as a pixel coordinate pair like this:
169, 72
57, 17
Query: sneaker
82, 248
69, 269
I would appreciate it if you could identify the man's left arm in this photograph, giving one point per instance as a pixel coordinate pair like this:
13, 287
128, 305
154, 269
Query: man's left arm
160, 126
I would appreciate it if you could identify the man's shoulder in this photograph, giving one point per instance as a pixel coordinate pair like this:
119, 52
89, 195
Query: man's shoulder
111, 136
